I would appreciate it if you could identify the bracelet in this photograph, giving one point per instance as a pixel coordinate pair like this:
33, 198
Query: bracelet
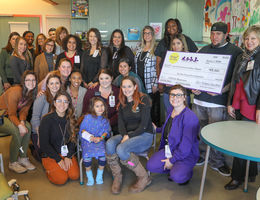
103, 136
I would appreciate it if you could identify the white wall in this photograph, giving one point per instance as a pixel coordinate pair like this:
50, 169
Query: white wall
37, 7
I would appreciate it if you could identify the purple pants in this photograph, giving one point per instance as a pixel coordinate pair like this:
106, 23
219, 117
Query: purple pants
180, 173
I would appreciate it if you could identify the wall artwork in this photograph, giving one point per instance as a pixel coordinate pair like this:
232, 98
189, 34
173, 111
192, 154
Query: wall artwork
238, 14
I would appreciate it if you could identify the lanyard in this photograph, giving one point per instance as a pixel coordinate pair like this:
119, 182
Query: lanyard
63, 133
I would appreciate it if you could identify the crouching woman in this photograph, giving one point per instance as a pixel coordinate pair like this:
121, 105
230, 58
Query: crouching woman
57, 141
179, 146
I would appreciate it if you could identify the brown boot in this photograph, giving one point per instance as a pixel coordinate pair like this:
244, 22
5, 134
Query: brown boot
143, 179
113, 163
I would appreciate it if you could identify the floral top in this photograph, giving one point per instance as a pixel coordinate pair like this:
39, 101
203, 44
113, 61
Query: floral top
95, 126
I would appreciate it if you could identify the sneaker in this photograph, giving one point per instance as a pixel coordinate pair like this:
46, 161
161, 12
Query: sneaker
223, 170
200, 162
26, 163
16, 167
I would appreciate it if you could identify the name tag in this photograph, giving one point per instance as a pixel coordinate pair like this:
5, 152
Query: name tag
76, 59
64, 150
87, 136
250, 65
112, 101
95, 53
168, 153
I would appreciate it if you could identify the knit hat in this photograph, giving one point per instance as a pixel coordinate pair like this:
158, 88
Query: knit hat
220, 26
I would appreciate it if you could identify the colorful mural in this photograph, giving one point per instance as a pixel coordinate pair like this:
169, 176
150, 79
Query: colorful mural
238, 14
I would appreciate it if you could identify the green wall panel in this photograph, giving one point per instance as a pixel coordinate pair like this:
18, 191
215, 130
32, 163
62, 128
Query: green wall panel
104, 15
133, 13
34, 26
190, 13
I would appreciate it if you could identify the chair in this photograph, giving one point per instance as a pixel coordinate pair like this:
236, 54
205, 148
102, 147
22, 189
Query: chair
80, 160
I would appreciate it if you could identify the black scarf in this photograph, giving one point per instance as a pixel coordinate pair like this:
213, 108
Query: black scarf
246, 57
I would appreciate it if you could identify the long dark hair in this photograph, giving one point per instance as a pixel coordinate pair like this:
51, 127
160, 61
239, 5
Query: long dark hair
29, 97
121, 51
8, 46
99, 43
70, 116
49, 97
167, 35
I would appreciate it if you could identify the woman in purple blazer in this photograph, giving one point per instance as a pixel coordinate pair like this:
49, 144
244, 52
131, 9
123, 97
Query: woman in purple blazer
179, 147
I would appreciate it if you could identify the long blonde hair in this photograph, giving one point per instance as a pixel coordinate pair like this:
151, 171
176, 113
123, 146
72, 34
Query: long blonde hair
153, 40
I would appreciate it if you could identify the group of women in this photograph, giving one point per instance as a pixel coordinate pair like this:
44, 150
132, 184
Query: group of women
66, 79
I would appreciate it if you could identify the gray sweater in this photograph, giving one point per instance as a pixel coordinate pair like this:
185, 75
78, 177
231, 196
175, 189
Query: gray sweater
40, 108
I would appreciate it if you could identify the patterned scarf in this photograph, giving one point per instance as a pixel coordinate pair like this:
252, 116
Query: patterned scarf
246, 57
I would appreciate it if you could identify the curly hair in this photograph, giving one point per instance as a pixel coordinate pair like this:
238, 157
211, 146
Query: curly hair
66, 40
70, 115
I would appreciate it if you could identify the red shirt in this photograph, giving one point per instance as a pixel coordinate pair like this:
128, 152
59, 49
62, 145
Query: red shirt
240, 102
71, 59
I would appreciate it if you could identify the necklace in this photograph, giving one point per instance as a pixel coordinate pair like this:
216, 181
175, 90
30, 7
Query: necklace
140, 56
74, 99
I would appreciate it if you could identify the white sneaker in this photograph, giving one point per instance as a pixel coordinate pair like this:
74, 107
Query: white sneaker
26, 163
15, 166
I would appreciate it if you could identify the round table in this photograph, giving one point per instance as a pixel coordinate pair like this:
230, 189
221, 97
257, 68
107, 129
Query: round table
236, 138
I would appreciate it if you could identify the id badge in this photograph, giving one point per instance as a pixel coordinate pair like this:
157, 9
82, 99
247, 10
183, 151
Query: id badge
167, 152
95, 53
64, 150
87, 136
112, 101
250, 65
76, 59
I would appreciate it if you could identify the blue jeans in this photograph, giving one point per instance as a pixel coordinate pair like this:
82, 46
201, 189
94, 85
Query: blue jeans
137, 144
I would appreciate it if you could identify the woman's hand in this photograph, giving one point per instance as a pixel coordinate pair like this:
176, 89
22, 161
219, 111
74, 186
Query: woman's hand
258, 116
196, 92
93, 85
40, 93
231, 112
154, 89
22, 129
167, 164
154, 126
68, 163
62, 165
126, 137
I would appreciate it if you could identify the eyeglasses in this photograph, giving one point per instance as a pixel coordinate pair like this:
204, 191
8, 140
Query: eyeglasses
147, 33
60, 101
51, 45
176, 95
30, 80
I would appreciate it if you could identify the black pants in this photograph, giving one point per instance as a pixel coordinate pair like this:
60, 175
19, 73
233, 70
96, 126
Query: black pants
239, 165
155, 110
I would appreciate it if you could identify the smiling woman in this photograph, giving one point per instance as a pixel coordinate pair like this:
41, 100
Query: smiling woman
136, 136
57, 140
16, 103
179, 146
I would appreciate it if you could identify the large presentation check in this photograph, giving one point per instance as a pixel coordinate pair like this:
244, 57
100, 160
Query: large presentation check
205, 72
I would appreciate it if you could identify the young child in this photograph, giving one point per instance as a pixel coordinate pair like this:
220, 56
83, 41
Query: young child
93, 131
